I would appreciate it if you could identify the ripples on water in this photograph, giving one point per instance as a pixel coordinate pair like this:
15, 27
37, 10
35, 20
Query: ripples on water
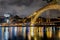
25, 33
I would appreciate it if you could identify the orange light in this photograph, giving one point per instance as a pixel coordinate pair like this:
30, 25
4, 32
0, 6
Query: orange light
49, 32
41, 31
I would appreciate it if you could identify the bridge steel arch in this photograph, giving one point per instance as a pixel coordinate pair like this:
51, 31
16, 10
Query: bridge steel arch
40, 11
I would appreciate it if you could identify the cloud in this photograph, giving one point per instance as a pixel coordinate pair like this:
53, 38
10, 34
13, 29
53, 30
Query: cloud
20, 7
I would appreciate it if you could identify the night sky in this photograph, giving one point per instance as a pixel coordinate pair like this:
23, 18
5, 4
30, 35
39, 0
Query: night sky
21, 8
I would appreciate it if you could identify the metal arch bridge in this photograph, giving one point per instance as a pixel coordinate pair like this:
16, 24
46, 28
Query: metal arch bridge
40, 11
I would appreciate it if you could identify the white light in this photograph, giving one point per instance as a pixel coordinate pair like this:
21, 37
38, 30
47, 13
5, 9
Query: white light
6, 33
6, 15
15, 31
7, 20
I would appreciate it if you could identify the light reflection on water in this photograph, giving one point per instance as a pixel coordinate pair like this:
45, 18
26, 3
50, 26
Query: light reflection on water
36, 32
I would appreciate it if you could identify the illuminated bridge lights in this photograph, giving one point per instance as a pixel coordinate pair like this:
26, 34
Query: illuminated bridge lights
35, 29
39, 12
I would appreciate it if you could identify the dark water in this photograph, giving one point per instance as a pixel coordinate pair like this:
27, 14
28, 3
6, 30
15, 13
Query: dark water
21, 37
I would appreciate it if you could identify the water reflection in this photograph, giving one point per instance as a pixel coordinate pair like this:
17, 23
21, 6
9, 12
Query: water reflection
29, 33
